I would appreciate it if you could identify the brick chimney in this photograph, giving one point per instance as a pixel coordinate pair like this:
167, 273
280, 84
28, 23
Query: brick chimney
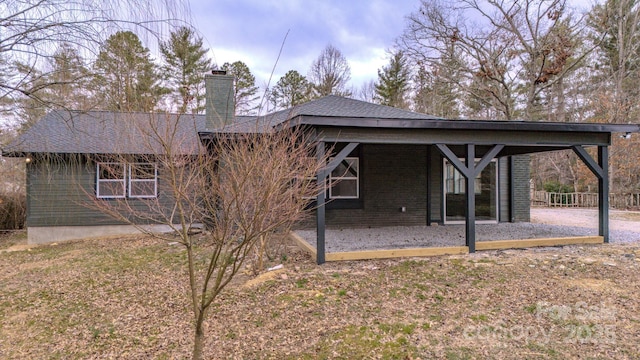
220, 104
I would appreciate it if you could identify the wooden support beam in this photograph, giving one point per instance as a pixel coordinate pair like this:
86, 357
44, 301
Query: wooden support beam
603, 193
601, 170
470, 213
338, 159
527, 243
396, 253
453, 159
303, 244
486, 159
321, 198
470, 170
453, 250
320, 208
594, 166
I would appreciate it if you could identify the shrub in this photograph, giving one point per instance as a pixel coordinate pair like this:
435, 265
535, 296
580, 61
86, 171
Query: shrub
557, 187
13, 210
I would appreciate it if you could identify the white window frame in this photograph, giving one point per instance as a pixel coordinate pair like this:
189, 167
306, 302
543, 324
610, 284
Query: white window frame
126, 180
100, 180
456, 184
337, 179
132, 180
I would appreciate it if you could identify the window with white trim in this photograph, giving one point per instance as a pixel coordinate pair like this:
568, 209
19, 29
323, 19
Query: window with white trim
344, 180
111, 180
143, 180
455, 181
119, 180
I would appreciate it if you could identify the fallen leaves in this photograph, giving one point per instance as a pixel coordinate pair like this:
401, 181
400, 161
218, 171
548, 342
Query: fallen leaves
128, 298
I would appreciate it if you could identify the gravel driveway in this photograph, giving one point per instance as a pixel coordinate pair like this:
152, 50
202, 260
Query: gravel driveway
545, 223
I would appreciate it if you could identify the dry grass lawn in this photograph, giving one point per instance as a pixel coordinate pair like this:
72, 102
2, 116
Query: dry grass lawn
126, 298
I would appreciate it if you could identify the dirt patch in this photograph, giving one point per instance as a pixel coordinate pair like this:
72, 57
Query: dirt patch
262, 278
20, 247
600, 285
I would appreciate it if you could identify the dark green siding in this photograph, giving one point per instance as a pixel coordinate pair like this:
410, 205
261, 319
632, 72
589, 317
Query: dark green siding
392, 176
436, 164
521, 188
61, 192
503, 188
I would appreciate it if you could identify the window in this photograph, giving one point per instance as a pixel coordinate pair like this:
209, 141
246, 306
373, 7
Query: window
112, 180
142, 180
455, 181
343, 180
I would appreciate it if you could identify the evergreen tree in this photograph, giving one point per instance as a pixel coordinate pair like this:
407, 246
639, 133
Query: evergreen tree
185, 65
68, 79
392, 87
245, 89
292, 89
127, 78
33, 106
434, 94
6, 101
330, 73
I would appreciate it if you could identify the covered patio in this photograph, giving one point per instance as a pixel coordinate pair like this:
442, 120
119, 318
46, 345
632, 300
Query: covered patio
469, 146
408, 241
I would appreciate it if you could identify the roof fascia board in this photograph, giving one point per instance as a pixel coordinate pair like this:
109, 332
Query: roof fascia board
462, 137
368, 122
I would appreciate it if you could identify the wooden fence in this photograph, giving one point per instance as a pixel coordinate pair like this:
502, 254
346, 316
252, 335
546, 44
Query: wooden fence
616, 201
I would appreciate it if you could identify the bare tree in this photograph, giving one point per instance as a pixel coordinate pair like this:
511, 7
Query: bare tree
367, 91
330, 73
243, 188
32, 30
513, 51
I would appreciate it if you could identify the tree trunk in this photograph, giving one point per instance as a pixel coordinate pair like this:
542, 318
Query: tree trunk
198, 341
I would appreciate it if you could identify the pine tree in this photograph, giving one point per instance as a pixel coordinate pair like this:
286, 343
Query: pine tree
68, 79
392, 87
292, 89
245, 87
185, 64
127, 78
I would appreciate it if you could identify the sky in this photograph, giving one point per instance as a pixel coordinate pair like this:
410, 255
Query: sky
253, 31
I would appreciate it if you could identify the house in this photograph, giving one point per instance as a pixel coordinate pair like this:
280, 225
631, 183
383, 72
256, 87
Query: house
389, 166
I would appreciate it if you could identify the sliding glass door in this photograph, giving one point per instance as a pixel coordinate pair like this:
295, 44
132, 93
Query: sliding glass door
486, 193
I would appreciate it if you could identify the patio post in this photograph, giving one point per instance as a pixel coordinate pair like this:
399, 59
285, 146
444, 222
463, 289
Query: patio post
320, 208
321, 177
470, 213
601, 170
470, 170
603, 193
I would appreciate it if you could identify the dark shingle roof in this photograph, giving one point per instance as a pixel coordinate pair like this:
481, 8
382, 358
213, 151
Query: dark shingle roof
328, 107
336, 106
104, 132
